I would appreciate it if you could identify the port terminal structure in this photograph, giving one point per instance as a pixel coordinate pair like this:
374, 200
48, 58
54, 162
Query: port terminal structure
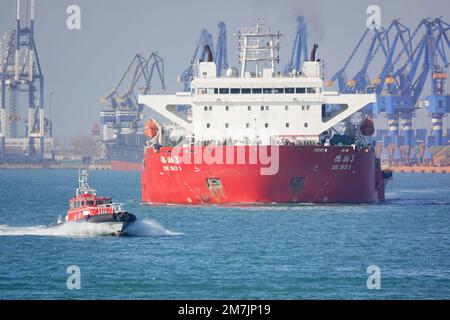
25, 137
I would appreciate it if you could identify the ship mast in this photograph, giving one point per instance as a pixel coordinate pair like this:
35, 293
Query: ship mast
258, 45
83, 186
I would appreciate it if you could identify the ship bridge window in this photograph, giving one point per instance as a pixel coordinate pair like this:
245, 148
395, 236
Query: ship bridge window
202, 91
226, 125
224, 90
286, 108
211, 91
205, 108
90, 203
267, 90
249, 108
208, 125
306, 125
300, 90
289, 90
235, 90
256, 90
227, 108
246, 90
216, 91
278, 90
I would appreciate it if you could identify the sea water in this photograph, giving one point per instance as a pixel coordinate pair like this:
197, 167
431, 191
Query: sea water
213, 252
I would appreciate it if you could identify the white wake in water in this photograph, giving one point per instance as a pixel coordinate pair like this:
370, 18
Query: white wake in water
144, 228
149, 228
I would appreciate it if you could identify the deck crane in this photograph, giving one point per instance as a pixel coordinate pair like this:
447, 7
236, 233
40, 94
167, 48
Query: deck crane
300, 49
122, 108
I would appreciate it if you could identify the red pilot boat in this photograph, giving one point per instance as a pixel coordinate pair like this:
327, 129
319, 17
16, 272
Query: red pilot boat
86, 206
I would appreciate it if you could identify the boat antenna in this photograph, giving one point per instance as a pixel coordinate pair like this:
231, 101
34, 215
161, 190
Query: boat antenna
83, 186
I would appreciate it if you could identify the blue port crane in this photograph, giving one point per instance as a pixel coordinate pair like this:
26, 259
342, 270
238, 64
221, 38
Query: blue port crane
361, 80
204, 50
221, 50
300, 49
404, 86
438, 101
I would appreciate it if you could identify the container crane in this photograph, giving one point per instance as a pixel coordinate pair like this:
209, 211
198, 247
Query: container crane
123, 111
21, 73
439, 101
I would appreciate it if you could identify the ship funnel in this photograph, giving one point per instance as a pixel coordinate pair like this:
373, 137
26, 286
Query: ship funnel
313, 52
208, 53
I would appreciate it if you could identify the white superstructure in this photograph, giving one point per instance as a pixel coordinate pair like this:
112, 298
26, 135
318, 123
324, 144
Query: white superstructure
259, 107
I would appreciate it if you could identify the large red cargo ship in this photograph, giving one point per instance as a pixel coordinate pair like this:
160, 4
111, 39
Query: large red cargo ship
261, 137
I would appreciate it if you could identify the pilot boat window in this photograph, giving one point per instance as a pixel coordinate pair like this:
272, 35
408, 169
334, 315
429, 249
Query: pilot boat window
90, 203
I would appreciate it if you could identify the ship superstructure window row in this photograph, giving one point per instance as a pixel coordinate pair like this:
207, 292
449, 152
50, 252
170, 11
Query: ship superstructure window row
258, 90
263, 108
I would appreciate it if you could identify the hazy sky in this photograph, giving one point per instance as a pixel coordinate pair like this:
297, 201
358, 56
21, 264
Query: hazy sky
80, 66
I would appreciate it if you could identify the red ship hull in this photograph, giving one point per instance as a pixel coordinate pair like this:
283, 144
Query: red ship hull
306, 174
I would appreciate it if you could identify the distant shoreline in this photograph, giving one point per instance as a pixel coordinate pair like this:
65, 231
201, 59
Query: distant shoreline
56, 166
420, 169
62, 166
